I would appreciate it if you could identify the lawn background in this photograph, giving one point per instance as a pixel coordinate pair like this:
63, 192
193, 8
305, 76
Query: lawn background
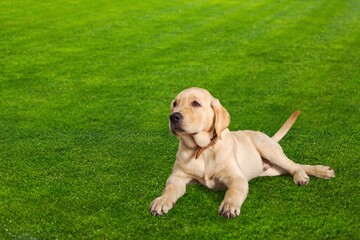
85, 92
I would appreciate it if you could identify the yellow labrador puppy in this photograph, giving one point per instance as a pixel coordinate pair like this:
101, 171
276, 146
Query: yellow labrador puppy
220, 159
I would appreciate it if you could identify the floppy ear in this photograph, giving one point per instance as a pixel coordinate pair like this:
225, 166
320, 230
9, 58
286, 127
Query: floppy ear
222, 117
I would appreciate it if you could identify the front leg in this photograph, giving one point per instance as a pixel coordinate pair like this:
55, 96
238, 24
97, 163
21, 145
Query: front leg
234, 197
174, 189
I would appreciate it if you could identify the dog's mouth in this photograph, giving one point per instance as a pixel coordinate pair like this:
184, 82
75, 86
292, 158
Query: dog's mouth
176, 130
179, 132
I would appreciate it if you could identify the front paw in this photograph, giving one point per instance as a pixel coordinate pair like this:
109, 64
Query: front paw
229, 209
160, 206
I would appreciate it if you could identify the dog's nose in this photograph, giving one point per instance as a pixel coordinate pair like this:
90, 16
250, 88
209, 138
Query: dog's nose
175, 117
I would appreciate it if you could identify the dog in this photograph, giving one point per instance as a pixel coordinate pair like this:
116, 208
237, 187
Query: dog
212, 155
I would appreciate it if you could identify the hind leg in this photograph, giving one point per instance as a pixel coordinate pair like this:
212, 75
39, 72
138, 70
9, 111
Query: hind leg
319, 171
273, 171
300, 175
271, 150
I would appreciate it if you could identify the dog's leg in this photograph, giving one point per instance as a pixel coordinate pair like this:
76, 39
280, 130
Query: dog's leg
273, 171
234, 197
174, 189
319, 171
271, 150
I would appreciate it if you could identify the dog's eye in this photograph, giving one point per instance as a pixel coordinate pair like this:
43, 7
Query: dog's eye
195, 104
174, 104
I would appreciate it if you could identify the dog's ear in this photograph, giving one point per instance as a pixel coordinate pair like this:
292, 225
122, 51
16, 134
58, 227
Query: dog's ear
222, 117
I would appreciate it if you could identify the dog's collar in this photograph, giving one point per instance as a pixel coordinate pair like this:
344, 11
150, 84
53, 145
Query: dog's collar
212, 143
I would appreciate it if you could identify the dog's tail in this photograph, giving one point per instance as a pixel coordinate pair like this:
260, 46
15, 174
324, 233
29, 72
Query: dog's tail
286, 127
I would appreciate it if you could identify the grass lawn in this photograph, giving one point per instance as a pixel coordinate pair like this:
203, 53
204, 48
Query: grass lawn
85, 91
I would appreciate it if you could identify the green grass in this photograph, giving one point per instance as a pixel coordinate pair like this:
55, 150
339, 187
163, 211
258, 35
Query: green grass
85, 91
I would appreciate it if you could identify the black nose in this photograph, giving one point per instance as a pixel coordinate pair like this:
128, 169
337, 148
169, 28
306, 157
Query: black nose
175, 117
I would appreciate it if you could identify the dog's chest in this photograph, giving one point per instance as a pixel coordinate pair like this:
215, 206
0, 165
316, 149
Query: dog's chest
204, 171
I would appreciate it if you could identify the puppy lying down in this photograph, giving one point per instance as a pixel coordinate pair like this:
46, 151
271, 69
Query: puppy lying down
221, 159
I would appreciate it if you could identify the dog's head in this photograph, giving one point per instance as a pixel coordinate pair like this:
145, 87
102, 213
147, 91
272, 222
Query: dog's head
195, 111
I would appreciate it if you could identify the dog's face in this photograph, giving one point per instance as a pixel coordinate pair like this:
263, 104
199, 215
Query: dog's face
194, 111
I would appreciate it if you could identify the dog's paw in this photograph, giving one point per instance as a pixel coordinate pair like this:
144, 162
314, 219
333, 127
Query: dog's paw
160, 206
324, 172
229, 209
300, 177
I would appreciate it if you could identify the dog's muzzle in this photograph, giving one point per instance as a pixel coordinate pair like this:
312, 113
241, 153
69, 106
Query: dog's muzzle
175, 122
